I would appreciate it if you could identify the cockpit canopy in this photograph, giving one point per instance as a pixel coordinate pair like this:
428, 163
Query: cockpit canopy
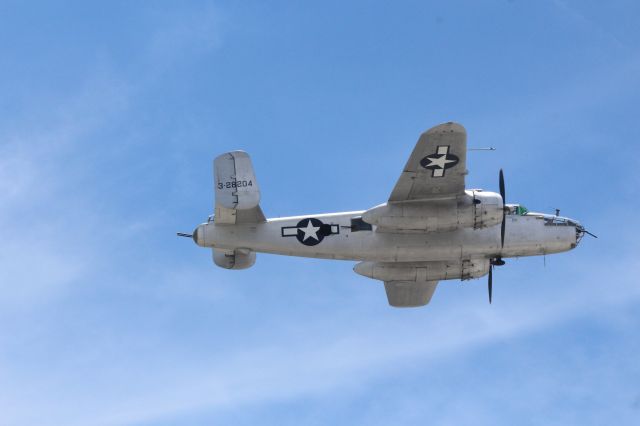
517, 209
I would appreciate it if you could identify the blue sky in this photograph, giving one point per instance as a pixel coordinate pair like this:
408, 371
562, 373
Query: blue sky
112, 113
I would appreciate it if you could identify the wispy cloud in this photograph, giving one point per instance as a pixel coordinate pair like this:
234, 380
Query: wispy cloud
320, 356
49, 208
57, 238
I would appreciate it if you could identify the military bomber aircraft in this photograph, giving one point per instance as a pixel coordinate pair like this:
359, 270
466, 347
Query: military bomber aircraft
430, 229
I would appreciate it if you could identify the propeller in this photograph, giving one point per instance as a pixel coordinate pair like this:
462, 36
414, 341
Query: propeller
182, 234
497, 261
490, 282
504, 208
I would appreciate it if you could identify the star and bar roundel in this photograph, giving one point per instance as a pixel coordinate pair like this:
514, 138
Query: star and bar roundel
440, 161
310, 231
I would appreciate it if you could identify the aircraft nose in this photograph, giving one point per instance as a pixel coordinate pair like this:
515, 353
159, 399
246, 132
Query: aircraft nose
580, 230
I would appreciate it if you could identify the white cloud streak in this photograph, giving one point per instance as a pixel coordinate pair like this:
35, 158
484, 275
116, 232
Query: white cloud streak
320, 357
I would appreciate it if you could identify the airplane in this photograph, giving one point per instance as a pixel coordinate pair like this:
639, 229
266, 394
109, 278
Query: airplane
430, 229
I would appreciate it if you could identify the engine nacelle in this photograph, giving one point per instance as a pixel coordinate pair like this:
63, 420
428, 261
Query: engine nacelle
234, 259
424, 271
476, 209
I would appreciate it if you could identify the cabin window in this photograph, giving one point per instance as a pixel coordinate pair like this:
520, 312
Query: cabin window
357, 224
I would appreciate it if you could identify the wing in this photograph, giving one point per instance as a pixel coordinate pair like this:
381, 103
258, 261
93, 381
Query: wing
409, 294
437, 165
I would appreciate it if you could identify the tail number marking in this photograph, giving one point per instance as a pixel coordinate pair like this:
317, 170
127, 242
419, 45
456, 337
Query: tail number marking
235, 184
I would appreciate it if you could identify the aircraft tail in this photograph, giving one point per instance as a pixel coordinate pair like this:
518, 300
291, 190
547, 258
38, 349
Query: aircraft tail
237, 194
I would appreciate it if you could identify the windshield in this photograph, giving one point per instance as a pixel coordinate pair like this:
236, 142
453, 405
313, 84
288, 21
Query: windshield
521, 210
517, 209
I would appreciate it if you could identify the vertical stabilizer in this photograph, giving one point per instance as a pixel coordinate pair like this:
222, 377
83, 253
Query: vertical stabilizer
237, 194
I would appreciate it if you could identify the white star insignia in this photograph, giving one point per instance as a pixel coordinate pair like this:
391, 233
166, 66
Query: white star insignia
439, 162
310, 231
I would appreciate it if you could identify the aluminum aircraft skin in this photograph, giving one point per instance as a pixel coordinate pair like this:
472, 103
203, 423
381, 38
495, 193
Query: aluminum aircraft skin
431, 228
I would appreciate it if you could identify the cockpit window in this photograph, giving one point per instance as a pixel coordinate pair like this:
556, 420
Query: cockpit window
559, 221
517, 209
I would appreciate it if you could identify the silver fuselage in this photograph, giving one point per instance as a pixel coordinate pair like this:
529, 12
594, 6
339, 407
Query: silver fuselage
526, 235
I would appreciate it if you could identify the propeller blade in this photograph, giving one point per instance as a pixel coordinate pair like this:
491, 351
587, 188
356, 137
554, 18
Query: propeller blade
490, 282
182, 234
589, 233
504, 208
502, 191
